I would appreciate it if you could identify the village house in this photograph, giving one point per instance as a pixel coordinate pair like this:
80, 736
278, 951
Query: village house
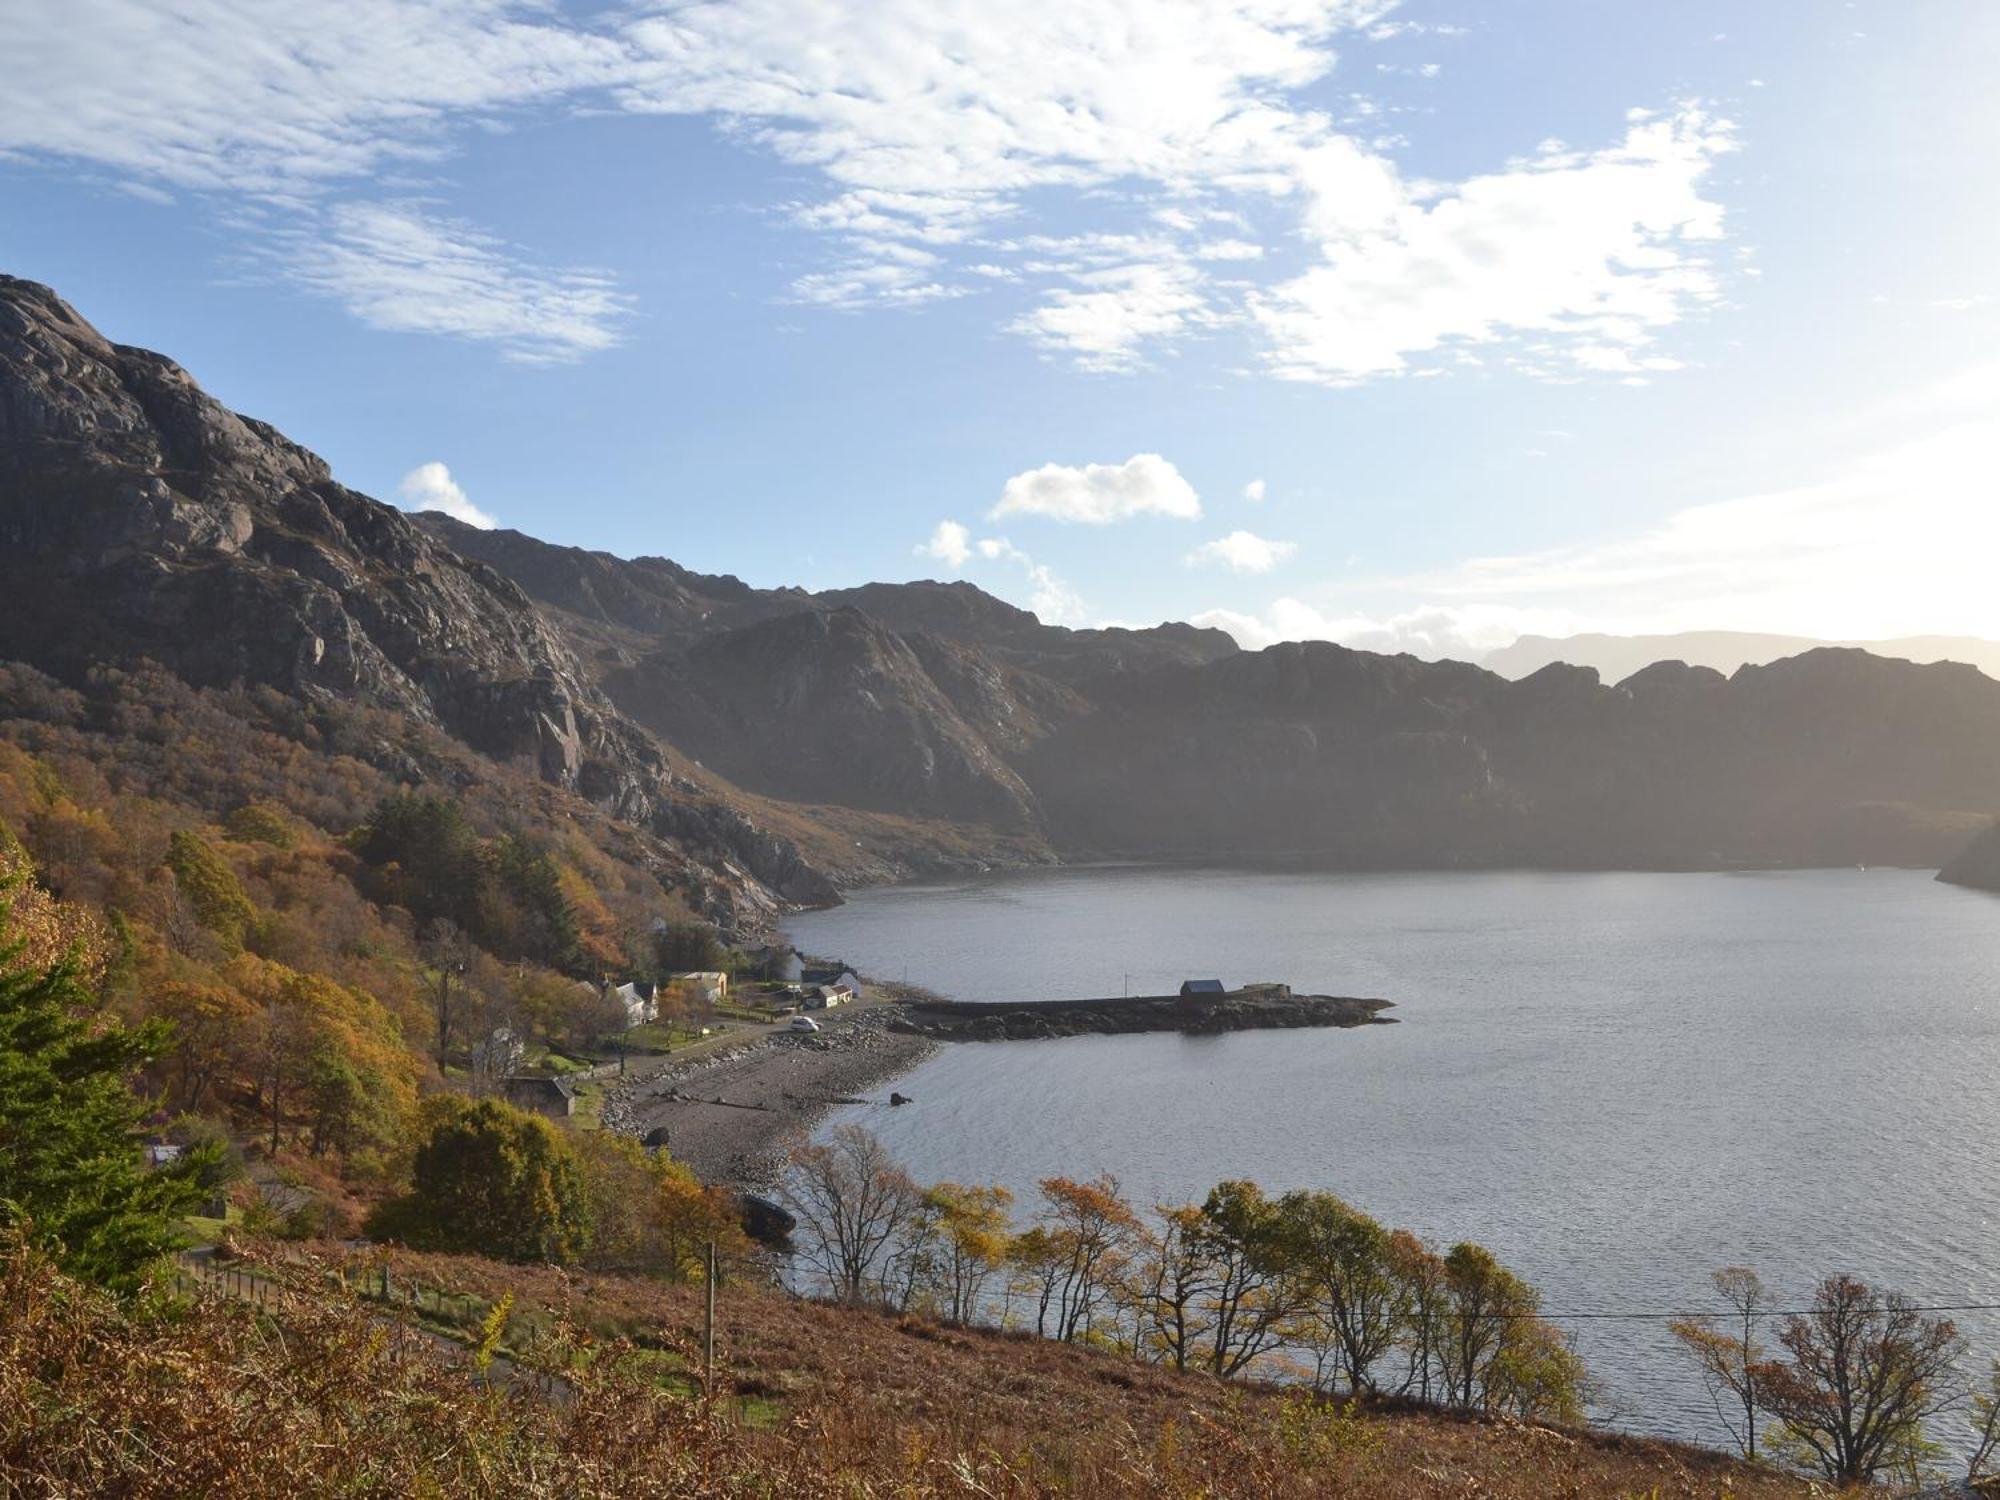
541, 1096
832, 976
702, 986
641, 1001
826, 996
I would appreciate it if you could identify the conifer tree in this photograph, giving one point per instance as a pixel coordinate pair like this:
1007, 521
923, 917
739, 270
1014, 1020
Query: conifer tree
71, 1174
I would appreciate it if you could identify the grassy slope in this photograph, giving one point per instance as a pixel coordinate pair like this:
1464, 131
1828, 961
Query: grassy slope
837, 1401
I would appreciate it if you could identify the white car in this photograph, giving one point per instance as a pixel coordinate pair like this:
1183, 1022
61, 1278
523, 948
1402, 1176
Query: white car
804, 1023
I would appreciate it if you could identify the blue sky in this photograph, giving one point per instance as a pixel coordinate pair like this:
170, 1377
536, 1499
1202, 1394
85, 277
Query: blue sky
1410, 325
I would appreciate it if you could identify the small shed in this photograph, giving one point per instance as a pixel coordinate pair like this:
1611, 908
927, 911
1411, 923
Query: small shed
1202, 989
538, 1095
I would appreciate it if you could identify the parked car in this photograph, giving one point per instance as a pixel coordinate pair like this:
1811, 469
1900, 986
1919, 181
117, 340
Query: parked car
804, 1023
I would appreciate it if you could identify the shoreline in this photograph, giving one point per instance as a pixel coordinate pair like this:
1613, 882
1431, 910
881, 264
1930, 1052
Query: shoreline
729, 1116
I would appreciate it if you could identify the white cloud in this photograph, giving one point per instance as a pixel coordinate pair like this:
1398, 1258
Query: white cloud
1600, 247
1241, 552
919, 128
1049, 596
396, 269
1254, 492
431, 487
1435, 632
1098, 494
950, 544
1053, 601
1106, 319
277, 97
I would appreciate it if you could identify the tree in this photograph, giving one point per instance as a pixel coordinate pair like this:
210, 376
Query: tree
649, 1214
1250, 1295
1090, 1230
71, 1173
1419, 1275
491, 1180
1985, 1426
1176, 1274
1482, 1298
1866, 1370
213, 1027
687, 947
211, 888
1729, 1354
851, 1199
1346, 1282
972, 1242
422, 855
448, 958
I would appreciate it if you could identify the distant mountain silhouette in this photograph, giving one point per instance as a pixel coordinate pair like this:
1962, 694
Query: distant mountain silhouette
1616, 657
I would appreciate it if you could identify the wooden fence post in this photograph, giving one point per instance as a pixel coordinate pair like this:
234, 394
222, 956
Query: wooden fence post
708, 1331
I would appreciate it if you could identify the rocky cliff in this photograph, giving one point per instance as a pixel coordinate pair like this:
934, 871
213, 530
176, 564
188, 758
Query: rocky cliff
141, 520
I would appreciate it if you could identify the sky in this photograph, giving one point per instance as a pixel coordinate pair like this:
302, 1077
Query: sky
1416, 326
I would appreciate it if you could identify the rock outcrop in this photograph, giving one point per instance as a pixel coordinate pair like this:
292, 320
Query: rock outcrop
140, 519
1976, 865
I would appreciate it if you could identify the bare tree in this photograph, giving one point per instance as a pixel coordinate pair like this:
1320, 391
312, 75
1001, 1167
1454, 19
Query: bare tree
1729, 1354
1985, 1426
851, 1200
447, 955
1866, 1370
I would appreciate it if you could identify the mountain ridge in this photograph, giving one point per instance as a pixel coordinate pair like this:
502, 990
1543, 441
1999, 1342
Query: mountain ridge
923, 726
1617, 657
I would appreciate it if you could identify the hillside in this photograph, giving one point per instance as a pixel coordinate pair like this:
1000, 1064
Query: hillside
775, 743
1615, 657
1977, 864
816, 1401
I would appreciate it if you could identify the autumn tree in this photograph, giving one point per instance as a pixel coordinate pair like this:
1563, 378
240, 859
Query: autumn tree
972, 1243
1345, 1279
1867, 1369
1482, 1300
1172, 1283
649, 1213
213, 1038
448, 956
851, 1200
1729, 1353
1985, 1413
492, 1180
211, 889
1419, 1274
1251, 1295
1090, 1232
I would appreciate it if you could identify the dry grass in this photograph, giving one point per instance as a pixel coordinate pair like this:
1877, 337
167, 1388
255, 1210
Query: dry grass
326, 1397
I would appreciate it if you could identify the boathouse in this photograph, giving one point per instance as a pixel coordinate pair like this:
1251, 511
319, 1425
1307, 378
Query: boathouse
1202, 989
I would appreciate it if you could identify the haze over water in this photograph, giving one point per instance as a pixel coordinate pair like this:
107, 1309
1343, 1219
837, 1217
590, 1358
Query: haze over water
1617, 1081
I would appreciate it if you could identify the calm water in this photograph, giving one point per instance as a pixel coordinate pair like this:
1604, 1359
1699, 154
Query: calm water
1616, 1081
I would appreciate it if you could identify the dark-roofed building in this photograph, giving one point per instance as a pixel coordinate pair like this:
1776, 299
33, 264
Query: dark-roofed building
835, 976
541, 1096
1202, 989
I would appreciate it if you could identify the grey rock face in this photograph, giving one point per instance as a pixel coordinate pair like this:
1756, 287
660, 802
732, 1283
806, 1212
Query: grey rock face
139, 518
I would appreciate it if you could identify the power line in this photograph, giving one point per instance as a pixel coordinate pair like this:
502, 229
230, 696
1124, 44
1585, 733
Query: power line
1731, 1312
